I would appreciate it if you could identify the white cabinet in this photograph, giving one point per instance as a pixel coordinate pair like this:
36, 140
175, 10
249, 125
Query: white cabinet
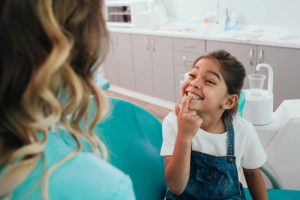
286, 67
186, 51
118, 66
153, 66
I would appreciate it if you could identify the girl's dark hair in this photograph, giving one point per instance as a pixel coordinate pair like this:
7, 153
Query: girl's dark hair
233, 72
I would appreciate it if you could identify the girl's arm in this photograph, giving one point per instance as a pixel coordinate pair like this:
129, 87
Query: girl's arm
177, 166
256, 184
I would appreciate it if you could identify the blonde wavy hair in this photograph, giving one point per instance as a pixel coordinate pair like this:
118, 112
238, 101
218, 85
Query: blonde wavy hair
48, 47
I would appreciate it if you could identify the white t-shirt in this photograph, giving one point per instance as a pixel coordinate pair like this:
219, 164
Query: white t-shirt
247, 149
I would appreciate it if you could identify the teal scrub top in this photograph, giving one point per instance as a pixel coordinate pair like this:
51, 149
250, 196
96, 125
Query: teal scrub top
84, 176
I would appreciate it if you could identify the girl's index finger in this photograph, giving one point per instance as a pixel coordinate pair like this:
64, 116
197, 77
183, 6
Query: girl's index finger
185, 103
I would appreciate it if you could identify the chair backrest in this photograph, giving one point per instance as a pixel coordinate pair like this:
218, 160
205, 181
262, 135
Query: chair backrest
134, 137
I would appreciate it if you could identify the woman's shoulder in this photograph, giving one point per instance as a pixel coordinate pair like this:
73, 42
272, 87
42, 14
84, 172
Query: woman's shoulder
89, 177
84, 176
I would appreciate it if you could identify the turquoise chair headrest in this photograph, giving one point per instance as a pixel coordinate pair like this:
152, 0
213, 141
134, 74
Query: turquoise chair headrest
241, 103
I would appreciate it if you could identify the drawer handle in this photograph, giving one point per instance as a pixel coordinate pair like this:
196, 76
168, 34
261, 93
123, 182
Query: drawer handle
189, 45
147, 44
261, 56
186, 59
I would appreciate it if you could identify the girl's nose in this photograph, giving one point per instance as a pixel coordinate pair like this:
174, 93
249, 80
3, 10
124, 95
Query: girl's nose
196, 83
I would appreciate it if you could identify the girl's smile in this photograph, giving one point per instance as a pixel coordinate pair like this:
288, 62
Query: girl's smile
194, 96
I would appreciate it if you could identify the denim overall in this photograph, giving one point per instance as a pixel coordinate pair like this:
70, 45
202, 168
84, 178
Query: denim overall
213, 177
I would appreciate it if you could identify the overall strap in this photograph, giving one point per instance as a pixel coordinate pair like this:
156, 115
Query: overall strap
230, 136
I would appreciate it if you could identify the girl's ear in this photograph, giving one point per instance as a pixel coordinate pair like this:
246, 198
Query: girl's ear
230, 101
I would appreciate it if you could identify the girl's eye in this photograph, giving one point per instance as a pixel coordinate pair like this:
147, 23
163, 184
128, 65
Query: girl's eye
192, 75
210, 82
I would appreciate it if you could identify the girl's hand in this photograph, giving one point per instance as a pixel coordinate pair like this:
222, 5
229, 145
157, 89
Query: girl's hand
188, 120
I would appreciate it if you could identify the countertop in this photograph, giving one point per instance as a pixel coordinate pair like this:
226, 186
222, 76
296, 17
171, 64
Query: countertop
269, 36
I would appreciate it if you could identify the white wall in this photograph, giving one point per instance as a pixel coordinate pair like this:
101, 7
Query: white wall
278, 13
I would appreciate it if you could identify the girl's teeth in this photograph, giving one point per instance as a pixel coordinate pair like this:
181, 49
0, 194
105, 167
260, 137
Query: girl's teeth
195, 97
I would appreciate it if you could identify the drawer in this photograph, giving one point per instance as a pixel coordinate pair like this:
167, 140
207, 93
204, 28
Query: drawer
185, 59
191, 45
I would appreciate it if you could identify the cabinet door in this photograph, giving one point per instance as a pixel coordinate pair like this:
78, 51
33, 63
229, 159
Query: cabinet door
110, 64
163, 70
245, 53
142, 64
286, 67
124, 63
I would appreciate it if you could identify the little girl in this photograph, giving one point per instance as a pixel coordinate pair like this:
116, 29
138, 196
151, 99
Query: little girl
205, 143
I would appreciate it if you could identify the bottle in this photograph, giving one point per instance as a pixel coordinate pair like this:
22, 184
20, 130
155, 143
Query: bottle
227, 20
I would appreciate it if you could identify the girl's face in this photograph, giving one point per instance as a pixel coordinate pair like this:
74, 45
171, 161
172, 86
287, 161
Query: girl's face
207, 87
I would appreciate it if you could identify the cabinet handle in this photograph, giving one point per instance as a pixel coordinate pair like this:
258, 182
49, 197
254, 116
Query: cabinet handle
261, 56
189, 45
251, 54
153, 44
186, 60
147, 44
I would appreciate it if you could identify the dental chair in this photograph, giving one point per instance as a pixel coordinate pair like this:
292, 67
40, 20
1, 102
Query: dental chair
133, 137
278, 194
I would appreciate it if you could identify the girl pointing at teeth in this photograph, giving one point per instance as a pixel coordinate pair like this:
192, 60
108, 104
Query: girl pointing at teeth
205, 144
